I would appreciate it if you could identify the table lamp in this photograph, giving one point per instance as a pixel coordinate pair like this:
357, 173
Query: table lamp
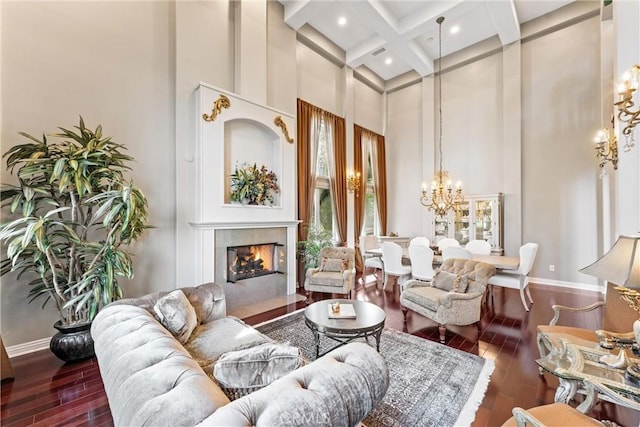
621, 266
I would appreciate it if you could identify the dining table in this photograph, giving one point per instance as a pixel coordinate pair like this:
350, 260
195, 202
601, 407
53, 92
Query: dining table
501, 262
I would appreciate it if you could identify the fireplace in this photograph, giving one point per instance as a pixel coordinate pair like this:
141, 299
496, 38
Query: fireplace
248, 261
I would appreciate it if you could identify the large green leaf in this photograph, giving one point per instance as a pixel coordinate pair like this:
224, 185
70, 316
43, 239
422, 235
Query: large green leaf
77, 210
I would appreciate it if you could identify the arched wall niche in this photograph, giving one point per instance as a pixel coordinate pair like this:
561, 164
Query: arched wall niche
248, 142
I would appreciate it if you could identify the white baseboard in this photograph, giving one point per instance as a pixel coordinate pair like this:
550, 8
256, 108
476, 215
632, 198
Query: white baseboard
570, 285
28, 347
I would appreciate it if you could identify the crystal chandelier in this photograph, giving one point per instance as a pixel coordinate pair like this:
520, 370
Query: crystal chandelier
442, 197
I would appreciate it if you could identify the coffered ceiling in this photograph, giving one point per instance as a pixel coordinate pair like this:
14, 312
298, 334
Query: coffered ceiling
391, 38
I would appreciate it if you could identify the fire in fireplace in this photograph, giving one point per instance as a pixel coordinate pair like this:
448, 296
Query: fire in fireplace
244, 262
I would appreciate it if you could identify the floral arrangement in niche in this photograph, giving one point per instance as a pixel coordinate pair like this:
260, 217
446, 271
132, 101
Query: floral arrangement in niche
253, 185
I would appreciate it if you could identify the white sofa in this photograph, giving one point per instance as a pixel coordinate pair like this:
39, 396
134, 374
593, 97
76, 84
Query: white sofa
151, 379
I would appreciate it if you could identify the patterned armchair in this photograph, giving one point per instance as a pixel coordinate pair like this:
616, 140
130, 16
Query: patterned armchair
335, 273
454, 297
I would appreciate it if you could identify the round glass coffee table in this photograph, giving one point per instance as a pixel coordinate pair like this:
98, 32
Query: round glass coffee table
368, 322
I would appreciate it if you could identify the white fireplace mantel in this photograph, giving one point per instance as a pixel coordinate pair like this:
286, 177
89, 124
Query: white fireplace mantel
231, 131
234, 225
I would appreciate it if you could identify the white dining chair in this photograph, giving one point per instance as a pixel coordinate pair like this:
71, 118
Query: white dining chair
455, 252
478, 247
419, 241
447, 242
518, 279
393, 267
421, 262
370, 261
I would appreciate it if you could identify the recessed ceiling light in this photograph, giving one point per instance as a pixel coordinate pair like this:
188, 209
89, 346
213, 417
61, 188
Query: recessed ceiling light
342, 21
388, 61
454, 29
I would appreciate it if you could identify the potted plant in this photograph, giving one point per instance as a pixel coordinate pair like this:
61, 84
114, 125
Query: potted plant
75, 212
253, 185
309, 250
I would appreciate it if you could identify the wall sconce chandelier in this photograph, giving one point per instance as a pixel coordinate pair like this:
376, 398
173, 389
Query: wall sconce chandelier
353, 182
626, 90
442, 197
606, 149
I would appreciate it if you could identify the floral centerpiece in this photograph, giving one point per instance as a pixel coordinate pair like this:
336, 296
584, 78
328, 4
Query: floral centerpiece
253, 185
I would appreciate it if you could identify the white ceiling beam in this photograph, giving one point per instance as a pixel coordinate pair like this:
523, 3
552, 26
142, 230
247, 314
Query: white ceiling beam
413, 55
380, 20
377, 17
357, 55
505, 19
297, 13
424, 20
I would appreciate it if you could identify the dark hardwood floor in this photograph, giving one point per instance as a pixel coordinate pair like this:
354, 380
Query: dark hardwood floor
47, 392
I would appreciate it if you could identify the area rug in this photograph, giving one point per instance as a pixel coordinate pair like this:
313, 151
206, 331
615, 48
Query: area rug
429, 384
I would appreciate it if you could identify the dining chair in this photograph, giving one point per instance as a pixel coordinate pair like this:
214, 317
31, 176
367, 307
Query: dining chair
518, 279
370, 261
455, 252
419, 241
447, 242
421, 262
393, 267
479, 247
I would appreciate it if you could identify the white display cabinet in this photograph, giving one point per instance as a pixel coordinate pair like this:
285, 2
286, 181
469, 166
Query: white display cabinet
477, 217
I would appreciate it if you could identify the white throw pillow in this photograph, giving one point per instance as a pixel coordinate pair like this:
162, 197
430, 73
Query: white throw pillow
176, 313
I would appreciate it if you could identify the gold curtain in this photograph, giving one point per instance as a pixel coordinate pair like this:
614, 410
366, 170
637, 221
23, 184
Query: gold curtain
305, 182
339, 180
359, 196
380, 177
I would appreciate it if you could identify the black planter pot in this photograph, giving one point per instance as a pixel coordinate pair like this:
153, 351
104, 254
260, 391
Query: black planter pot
72, 343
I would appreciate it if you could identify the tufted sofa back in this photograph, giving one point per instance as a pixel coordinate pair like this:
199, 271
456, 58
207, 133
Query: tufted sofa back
347, 254
478, 273
207, 299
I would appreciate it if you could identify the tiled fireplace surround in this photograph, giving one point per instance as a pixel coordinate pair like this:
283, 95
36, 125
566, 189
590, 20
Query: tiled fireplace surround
243, 133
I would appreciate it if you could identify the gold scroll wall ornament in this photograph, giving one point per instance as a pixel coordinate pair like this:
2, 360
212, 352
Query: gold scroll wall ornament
221, 102
282, 125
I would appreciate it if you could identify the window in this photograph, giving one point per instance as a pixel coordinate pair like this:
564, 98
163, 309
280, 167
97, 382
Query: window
323, 217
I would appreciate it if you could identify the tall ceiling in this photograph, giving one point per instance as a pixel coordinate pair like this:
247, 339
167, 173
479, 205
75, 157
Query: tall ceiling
391, 38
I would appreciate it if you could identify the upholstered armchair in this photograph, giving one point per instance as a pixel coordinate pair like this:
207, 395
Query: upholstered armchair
454, 297
335, 273
561, 414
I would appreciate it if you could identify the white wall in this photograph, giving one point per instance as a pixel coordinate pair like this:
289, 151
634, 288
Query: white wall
561, 113
472, 115
368, 107
111, 63
320, 82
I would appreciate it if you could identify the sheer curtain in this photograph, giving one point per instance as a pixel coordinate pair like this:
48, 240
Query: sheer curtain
378, 160
358, 211
362, 142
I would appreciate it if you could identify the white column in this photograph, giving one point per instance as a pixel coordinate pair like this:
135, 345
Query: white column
428, 147
512, 146
348, 123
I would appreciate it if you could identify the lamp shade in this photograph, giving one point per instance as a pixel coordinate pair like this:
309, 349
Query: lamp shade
621, 265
